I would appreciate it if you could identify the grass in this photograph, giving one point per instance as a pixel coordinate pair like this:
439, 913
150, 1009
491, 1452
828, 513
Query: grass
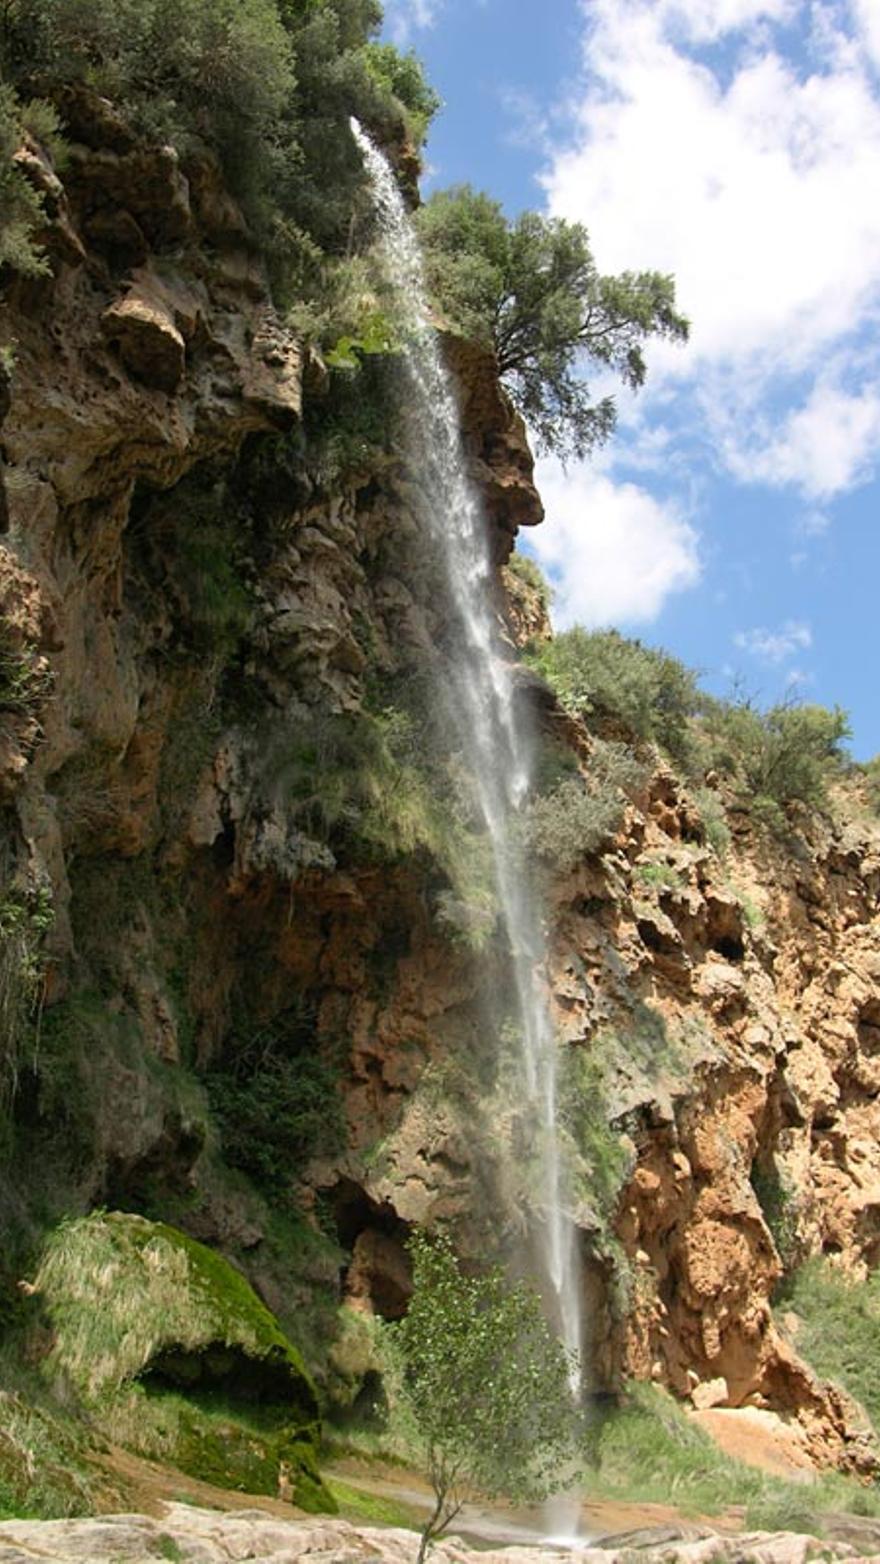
840, 1330
356, 1504
649, 1450
659, 876
119, 1290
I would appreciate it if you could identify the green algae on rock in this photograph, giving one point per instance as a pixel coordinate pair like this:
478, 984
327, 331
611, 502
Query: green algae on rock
177, 1357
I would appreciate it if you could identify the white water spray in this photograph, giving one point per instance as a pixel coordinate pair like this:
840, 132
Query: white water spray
496, 738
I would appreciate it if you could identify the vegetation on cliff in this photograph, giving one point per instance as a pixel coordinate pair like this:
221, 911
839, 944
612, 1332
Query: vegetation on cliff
530, 290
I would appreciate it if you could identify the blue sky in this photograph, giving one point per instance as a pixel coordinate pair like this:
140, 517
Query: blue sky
735, 143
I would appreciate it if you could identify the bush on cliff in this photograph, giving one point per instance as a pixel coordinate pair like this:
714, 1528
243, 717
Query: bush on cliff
785, 754
276, 1098
21, 207
530, 290
618, 682
268, 84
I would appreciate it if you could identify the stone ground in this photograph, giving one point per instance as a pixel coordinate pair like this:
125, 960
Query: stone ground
196, 1536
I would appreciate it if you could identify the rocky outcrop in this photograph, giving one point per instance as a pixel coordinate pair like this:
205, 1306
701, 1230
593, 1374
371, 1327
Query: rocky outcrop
206, 1537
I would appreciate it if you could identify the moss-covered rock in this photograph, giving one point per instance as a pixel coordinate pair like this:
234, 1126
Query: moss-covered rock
164, 1340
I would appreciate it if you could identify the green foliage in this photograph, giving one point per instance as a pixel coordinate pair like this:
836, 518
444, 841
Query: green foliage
567, 825
840, 1328
119, 1290
578, 816
321, 195
376, 785
777, 756
714, 820
267, 84
25, 677
21, 206
658, 876
25, 919
617, 681
528, 570
530, 290
45, 1470
353, 430
402, 76
778, 1202
487, 1384
277, 1102
647, 1449
219, 605
213, 71
604, 1162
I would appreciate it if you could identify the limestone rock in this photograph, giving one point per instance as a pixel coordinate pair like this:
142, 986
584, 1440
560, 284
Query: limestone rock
709, 1393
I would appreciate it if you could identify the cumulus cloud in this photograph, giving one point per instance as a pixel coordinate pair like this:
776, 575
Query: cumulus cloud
867, 19
614, 552
405, 17
748, 181
776, 646
823, 448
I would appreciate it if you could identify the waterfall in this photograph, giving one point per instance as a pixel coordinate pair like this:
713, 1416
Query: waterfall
494, 733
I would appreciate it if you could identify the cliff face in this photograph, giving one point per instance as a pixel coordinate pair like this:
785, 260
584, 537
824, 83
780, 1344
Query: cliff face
197, 587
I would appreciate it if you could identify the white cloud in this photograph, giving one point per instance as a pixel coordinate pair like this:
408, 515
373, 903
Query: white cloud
823, 448
867, 18
614, 552
404, 17
775, 646
753, 188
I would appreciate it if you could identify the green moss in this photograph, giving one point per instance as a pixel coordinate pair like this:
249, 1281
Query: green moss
355, 1504
119, 1290
177, 1357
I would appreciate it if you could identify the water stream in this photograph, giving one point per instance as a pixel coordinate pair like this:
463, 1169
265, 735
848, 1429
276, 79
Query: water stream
495, 733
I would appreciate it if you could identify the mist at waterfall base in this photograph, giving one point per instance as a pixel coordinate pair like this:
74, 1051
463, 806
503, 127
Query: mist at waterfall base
495, 734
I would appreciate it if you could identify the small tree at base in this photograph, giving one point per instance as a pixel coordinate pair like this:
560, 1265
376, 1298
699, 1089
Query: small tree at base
488, 1386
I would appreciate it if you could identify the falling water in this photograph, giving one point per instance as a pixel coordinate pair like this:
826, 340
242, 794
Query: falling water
496, 738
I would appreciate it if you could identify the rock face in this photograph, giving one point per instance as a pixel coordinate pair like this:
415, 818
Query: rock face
198, 585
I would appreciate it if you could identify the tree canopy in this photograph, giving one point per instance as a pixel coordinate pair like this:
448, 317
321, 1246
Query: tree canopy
487, 1383
530, 290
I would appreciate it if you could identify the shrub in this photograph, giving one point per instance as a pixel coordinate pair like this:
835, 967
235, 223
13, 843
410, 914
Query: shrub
487, 1384
658, 876
713, 819
376, 785
566, 826
602, 674
268, 84
778, 1202
777, 756
216, 71
402, 76
276, 1099
21, 207
528, 570
25, 918
25, 677
575, 817
584, 1111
